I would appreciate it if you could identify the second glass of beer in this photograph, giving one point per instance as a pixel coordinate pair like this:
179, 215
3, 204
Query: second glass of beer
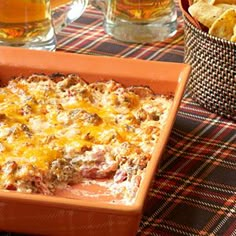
139, 21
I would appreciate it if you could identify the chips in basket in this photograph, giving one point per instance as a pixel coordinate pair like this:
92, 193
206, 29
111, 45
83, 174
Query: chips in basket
219, 16
223, 26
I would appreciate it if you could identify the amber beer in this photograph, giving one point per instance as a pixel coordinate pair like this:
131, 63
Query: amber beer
24, 20
140, 10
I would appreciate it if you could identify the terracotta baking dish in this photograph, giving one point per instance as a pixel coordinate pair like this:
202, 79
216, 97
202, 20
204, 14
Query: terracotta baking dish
46, 215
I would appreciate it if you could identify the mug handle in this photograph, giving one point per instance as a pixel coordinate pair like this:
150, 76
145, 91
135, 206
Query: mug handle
99, 4
62, 16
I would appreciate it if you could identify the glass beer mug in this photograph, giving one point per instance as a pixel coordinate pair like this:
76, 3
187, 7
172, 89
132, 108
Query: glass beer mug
138, 21
26, 23
32, 23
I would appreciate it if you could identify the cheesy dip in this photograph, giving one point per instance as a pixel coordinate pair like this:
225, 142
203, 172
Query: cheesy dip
57, 131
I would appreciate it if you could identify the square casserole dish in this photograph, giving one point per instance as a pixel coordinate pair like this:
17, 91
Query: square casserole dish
53, 215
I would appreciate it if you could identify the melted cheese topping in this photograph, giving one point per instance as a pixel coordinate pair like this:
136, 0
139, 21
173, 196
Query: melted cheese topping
42, 121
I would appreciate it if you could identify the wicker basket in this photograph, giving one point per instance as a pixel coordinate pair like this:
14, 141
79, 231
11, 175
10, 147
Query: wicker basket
213, 79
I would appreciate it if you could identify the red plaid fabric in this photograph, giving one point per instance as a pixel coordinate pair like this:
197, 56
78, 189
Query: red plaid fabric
194, 191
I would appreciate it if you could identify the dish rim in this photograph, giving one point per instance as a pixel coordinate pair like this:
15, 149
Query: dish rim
11, 57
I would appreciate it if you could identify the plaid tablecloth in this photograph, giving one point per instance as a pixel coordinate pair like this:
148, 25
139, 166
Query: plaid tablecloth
194, 191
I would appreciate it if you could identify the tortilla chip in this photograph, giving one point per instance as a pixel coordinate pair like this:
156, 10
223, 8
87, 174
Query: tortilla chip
233, 38
205, 13
223, 27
